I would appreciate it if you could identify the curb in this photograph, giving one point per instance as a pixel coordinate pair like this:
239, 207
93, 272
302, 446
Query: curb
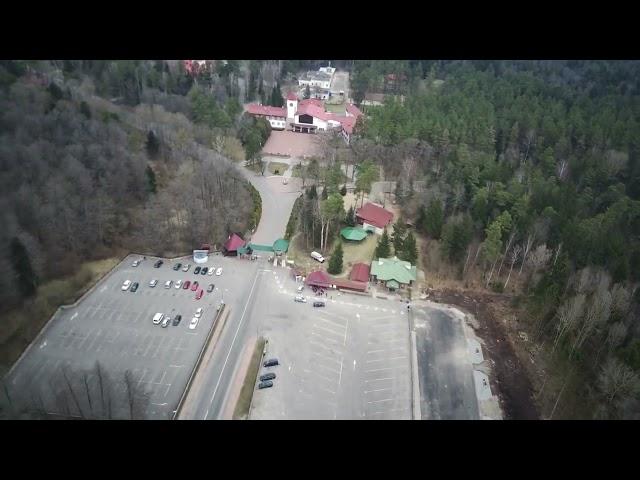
417, 413
255, 382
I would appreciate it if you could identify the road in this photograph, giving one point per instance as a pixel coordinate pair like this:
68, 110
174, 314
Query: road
339, 83
243, 323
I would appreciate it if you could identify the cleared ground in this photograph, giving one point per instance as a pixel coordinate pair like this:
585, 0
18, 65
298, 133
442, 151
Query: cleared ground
284, 142
115, 328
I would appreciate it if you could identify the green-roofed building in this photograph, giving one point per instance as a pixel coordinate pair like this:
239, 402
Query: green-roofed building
353, 234
280, 246
393, 272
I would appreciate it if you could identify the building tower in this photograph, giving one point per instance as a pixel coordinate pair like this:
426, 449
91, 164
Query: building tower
292, 105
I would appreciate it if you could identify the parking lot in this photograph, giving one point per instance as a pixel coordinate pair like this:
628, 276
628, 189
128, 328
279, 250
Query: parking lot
348, 360
114, 327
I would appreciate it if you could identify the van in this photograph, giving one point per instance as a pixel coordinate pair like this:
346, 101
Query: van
317, 256
157, 318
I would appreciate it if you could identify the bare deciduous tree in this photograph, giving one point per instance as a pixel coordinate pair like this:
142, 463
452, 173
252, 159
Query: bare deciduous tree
515, 254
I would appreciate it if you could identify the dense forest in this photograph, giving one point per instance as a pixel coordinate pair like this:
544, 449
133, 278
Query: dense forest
513, 164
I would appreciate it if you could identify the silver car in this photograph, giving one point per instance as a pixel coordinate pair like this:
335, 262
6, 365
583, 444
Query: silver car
165, 321
153, 283
168, 284
186, 267
178, 284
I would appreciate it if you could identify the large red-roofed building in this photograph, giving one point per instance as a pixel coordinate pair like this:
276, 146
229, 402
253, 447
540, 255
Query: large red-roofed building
372, 215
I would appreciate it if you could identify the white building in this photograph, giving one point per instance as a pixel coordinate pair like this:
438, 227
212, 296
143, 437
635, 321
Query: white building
322, 78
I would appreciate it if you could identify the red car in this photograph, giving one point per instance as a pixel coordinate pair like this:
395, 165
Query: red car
194, 286
199, 294
186, 284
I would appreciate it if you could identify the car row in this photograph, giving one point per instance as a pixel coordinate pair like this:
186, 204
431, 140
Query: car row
186, 285
266, 379
185, 268
302, 299
163, 320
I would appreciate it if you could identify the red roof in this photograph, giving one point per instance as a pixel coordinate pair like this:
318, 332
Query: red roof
233, 243
312, 101
360, 272
350, 285
292, 96
319, 278
313, 110
255, 109
353, 110
374, 215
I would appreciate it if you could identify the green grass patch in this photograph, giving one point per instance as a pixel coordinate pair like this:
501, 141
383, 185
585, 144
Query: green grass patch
277, 168
339, 109
241, 411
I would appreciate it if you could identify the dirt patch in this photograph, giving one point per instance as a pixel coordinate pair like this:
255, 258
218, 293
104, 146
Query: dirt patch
277, 168
291, 144
511, 377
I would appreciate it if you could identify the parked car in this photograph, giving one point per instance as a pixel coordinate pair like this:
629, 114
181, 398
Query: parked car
194, 286
157, 318
186, 285
168, 284
204, 271
158, 264
126, 285
267, 376
186, 267
176, 320
267, 384
219, 271
318, 304
178, 284
211, 270
165, 321
194, 323
177, 266
300, 298
134, 287
153, 283
136, 263
210, 287
272, 362
199, 294
196, 270
199, 312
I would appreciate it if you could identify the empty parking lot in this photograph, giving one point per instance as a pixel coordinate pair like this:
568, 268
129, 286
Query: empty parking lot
114, 327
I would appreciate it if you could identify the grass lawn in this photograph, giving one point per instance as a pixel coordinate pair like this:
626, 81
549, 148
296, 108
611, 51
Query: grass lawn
355, 252
277, 168
20, 326
248, 387
339, 109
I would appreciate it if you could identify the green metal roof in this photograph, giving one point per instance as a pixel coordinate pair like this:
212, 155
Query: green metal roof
393, 269
261, 248
243, 250
353, 233
393, 284
280, 245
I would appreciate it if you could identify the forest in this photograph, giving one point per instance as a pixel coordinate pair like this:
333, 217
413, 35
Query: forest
512, 165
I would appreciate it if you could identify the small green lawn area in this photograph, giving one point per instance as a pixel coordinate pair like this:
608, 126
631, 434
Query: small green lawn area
339, 109
246, 394
355, 252
277, 168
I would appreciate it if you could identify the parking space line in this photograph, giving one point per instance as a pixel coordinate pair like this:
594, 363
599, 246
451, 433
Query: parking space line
326, 329
378, 390
380, 401
327, 338
379, 379
385, 350
312, 342
325, 367
384, 359
326, 358
388, 368
318, 375
331, 322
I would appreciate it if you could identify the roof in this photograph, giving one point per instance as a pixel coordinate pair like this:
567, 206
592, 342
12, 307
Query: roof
353, 233
256, 109
393, 269
360, 272
322, 76
308, 108
261, 248
350, 284
234, 242
280, 245
353, 110
292, 96
374, 97
393, 284
374, 214
319, 278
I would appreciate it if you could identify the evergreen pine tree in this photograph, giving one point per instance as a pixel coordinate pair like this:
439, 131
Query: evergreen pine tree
324, 195
26, 277
335, 263
383, 250
421, 222
153, 145
409, 250
151, 179
343, 190
307, 92
350, 219
399, 230
434, 219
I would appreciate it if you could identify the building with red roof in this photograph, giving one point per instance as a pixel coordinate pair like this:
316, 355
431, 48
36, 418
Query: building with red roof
231, 246
373, 216
360, 272
276, 116
322, 279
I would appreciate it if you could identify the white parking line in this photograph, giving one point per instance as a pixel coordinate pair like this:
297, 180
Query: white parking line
385, 359
378, 390
318, 364
380, 401
317, 355
379, 379
332, 322
311, 342
326, 338
388, 368
327, 329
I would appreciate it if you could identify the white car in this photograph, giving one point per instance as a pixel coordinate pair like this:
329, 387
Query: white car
165, 321
178, 284
194, 323
186, 267
157, 318
136, 263
168, 283
211, 270
300, 298
198, 313
126, 285
219, 271
153, 283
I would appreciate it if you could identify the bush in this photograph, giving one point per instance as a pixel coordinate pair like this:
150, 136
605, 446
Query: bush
497, 287
293, 218
256, 214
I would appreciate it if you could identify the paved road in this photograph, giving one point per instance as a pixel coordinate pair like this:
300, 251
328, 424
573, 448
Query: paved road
277, 202
340, 82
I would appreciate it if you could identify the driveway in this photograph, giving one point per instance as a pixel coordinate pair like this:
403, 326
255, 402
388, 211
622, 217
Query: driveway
340, 82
